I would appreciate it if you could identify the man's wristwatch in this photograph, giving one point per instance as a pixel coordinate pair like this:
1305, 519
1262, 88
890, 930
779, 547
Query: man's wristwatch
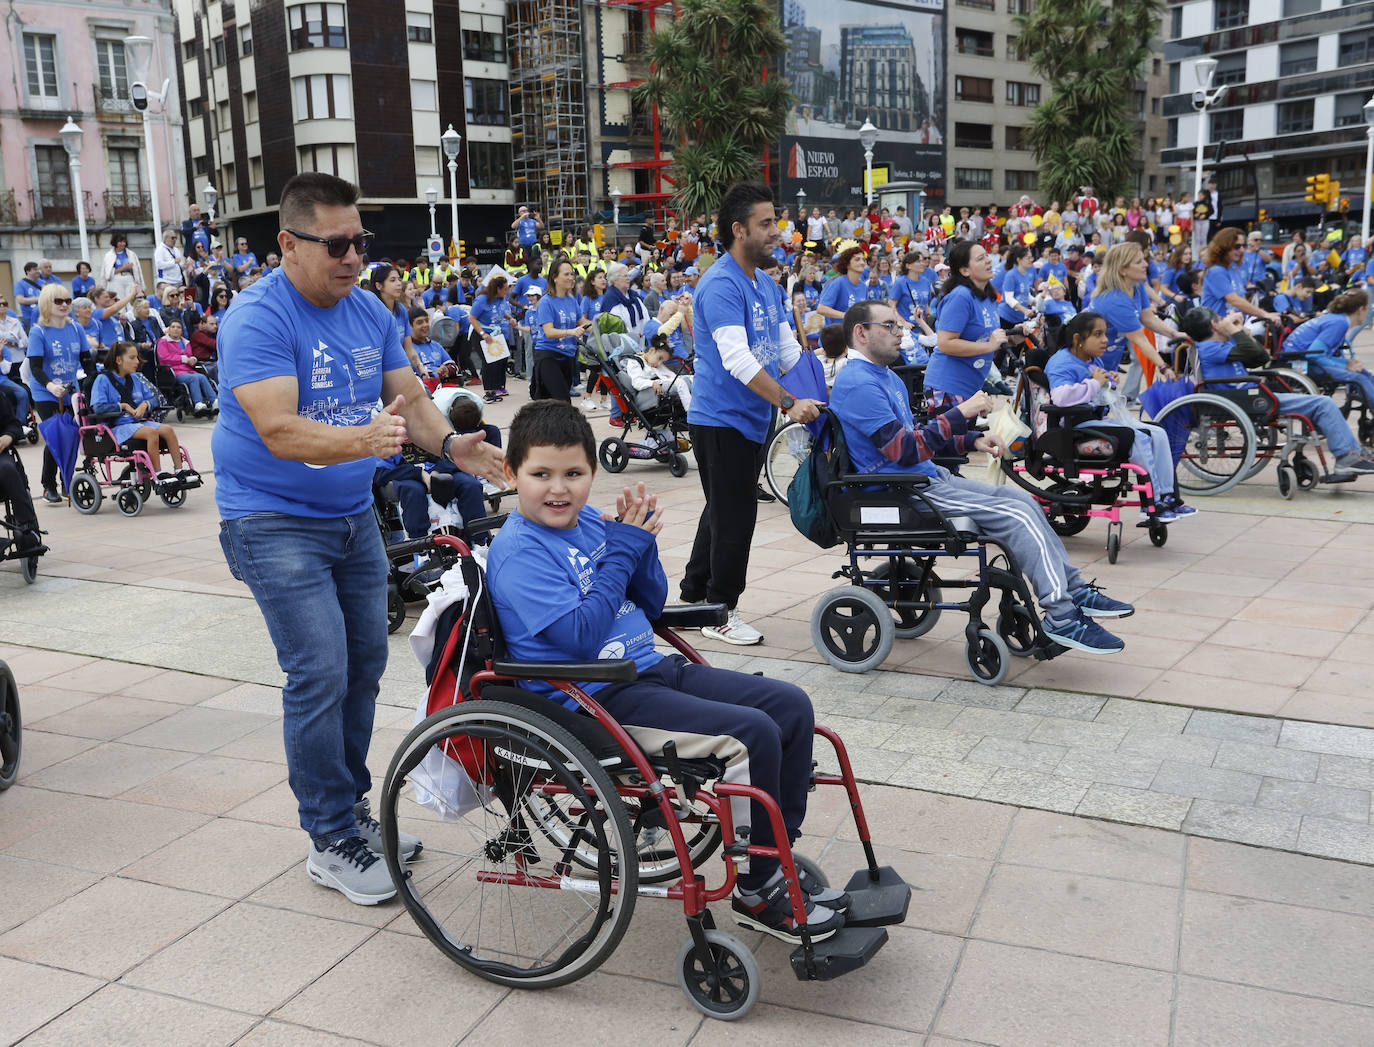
787, 402
443, 448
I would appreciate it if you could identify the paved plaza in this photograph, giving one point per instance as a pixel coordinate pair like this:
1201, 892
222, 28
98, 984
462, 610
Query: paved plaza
1172, 846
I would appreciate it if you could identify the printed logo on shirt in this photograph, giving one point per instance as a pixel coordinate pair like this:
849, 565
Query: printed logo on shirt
582, 567
614, 649
367, 359
328, 373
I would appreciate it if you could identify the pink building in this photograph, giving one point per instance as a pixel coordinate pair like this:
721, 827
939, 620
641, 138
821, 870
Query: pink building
68, 59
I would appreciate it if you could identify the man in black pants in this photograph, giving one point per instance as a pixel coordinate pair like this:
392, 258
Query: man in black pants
14, 487
744, 343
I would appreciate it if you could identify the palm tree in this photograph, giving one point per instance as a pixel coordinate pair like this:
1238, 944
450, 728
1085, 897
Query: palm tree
1091, 54
709, 78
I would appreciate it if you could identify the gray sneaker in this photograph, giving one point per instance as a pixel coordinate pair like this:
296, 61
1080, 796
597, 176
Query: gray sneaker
353, 869
371, 831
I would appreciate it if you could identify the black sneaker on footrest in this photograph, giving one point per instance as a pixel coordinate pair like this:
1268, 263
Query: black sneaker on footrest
770, 911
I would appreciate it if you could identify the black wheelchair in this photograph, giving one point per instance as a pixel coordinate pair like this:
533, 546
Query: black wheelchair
11, 728
12, 546
895, 539
544, 825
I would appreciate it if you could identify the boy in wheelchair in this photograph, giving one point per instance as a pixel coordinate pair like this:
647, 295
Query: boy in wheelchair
875, 415
570, 583
1225, 349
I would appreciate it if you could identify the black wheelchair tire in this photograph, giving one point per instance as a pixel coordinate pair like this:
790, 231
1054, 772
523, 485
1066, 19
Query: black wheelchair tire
988, 657
129, 501
1288, 482
11, 728
723, 984
1113, 546
1066, 525
1306, 472
1018, 635
28, 567
613, 454
395, 610
86, 494
852, 629
678, 465
1159, 534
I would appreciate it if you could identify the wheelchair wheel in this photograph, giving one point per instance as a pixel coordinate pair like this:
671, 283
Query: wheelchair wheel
1066, 525
129, 501
11, 728
852, 629
33, 436
1297, 381
1016, 626
1307, 473
1221, 444
613, 454
86, 494
790, 446
910, 623
1288, 482
677, 465
724, 981
491, 894
173, 499
1113, 546
28, 567
1159, 534
395, 610
988, 657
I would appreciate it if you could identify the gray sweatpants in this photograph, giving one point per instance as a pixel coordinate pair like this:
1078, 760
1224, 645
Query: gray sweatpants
1013, 518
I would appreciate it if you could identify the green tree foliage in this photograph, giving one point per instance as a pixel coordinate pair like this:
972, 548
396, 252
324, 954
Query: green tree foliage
708, 79
1090, 52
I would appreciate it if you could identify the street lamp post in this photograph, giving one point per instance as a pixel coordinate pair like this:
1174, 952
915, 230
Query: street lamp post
615, 218
1368, 172
801, 207
432, 195
868, 138
71, 141
1203, 99
211, 197
139, 50
453, 144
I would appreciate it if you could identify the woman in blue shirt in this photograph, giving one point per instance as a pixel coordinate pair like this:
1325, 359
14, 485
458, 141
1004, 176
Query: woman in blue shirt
845, 288
1324, 339
1016, 285
487, 316
82, 282
120, 388
55, 347
1120, 297
385, 282
1223, 285
559, 321
967, 330
911, 291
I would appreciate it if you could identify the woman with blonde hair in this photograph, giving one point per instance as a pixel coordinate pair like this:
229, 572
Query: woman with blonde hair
56, 343
1120, 297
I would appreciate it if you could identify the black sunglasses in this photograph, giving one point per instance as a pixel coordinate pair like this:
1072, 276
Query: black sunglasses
61, 301
338, 246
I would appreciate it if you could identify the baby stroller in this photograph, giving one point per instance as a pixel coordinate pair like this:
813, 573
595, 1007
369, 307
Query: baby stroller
663, 422
11, 535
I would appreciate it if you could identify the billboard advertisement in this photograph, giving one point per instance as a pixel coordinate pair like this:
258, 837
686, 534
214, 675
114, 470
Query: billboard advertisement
850, 61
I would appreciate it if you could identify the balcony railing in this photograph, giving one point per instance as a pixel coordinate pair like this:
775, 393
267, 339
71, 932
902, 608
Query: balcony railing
9, 207
54, 207
127, 207
633, 47
110, 102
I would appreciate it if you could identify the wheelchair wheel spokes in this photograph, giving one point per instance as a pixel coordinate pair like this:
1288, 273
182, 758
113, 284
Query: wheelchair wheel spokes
852, 629
1221, 443
789, 448
529, 886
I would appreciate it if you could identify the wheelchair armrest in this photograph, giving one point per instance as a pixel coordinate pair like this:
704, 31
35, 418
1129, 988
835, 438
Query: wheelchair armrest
102, 417
692, 615
1072, 413
888, 479
603, 670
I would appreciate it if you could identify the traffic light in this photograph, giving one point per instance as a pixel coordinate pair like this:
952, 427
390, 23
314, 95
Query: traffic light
1263, 214
1318, 188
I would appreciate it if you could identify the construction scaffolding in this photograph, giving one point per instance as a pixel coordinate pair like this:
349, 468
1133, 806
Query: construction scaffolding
548, 110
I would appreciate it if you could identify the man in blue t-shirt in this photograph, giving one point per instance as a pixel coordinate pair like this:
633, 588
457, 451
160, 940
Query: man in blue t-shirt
527, 225
874, 410
305, 365
26, 292
744, 343
242, 260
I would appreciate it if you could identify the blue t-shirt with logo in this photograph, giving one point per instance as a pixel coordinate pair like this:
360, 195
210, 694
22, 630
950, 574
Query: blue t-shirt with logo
1058, 270
431, 354
528, 231
840, 293
1252, 267
909, 293
539, 575
972, 319
60, 349
1017, 285
865, 398
337, 357
520, 292
1064, 368
1122, 313
728, 297
1354, 257
564, 314
1217, 283
81, 285
28, 289
1212, 356
1321, 336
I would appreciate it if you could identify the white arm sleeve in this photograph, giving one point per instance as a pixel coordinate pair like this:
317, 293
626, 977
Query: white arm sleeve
735, 357
791, 349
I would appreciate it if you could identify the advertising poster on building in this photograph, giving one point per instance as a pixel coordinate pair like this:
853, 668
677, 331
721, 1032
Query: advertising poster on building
851, 61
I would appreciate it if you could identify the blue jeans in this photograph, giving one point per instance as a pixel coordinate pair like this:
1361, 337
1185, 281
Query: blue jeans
321, 586
20, 395
1326, 416
202, 392
1361, 378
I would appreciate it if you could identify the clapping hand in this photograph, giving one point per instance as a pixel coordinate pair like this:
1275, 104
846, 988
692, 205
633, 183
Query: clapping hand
637, 508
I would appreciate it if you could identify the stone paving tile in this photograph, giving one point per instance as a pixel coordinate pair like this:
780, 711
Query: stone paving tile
1329, 801
1180, 748
942, 776
108, 769
935, 824
915, 712
1058, 841
34, 995
980, 696
1350, 772
994, 723
283, 1034
1110, 768
1163, 719
1328, 738
932, 741
1134, 806
1337, 838
1009, 752
1063, 704
1267, 760
1215, 1014
119, 1015
1232, 727
1032, 789
104, 836
1187, 779
1243, 824
1279, 876
1055, 730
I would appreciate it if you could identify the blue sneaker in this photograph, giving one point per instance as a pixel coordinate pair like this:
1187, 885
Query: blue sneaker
1173, 504
1083, 634
1094, 603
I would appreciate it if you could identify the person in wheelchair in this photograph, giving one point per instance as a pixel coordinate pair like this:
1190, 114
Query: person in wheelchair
571, 583
465, 415
14, 484
429, 354
874, 412
123, 395
1324, 340
1225, 349
1075, 378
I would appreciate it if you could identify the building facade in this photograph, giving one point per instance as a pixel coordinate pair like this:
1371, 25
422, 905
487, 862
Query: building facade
1298, 73
68, 59
362, 90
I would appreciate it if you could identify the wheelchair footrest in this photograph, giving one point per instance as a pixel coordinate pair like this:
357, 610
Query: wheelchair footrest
1335, 478
846, 950
874, 903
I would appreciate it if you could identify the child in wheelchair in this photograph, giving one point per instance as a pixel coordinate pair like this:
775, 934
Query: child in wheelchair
1074, 378
571, 583
874, 411
122, 398
1225, 349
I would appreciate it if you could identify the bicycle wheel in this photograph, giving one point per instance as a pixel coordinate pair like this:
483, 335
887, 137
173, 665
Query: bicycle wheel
790, 446
1219, 450
491, 892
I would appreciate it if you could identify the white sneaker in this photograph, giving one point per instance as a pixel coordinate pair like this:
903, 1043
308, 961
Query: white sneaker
589, 405
735, 631
200, 406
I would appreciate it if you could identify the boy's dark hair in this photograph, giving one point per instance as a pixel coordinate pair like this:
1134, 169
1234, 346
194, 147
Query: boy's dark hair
548, 423
1310, 282
465, 414
833, 340
735, 206
304, 192
1197, 323
416, 312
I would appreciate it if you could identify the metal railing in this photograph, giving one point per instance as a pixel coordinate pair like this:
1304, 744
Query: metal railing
9, 207
127, 206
